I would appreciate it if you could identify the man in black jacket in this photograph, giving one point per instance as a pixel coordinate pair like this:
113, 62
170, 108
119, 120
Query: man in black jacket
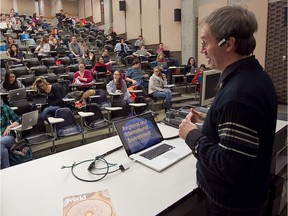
234, 147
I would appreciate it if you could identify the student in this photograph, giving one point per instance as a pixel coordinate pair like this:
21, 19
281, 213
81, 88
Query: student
121, 49
10, 41
118, 84
198, 76
9, 119
10, 82
191, 63
156, 87
54, 97
139, 42
100, 63
43, 48
234, 147
83, 76
135, 75
15, 55
75, 49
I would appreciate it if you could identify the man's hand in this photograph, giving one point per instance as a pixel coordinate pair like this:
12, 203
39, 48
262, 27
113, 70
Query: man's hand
185, 127
196, 117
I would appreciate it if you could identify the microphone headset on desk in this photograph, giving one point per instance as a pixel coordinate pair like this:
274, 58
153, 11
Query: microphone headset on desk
99, 158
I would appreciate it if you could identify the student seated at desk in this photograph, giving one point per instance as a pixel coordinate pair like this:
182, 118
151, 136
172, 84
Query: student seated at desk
54, 97
156, 87
105, 69
191, 63
10, 41
198, 76
43, 48
90, 59
142, 54
15, 55
7, 137
10, 82
82, 78
118, 84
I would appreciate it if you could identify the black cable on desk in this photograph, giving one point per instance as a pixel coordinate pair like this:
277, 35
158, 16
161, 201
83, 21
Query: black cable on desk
92, 167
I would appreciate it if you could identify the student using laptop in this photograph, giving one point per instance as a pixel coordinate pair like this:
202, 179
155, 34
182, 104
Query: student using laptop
142, 53
102, 68
234, 147
10, 82
7, 138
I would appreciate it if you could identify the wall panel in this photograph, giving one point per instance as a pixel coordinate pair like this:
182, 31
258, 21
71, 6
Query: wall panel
150, 21
88, 8
96, 11
202, 11
260, 11
118, 18
71, 7
132, 18
26, 7
6, 5
170, 30
81, 9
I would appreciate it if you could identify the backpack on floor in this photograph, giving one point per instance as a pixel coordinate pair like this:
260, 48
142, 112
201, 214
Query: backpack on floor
20, 152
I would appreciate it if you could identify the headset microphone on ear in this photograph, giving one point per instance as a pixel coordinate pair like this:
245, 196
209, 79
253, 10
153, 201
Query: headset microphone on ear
221, 42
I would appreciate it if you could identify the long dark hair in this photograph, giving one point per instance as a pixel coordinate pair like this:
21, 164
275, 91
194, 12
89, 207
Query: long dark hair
6, 83
11, 52
119, 85
188, 62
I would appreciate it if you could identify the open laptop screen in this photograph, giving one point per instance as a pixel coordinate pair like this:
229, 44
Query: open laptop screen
138, 133
101, 68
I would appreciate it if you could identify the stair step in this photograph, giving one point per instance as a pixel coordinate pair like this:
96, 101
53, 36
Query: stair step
186, 103
182, 98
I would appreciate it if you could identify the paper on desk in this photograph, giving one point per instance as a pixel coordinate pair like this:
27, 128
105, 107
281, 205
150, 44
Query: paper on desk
89, 204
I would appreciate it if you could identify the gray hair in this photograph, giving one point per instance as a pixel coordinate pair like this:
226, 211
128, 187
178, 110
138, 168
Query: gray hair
234, 21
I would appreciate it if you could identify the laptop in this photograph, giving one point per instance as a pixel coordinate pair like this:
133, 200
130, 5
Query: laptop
194, 70
143, 142
17, 94
101, 69
162, 64
142, 52
28, 120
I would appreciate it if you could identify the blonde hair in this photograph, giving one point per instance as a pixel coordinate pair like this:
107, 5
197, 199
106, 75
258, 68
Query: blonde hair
38, 81
159, 55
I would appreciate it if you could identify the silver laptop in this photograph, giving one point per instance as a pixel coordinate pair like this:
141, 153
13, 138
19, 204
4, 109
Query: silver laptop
142, 52
17, 94
194, 70
143, 142
162, 64
28, 121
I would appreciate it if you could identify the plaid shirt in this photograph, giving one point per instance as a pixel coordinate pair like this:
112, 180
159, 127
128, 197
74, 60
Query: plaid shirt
7, 115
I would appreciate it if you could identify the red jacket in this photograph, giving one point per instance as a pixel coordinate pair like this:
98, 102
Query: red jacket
195, 80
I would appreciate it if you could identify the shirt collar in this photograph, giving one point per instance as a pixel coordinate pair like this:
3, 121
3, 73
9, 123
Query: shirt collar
231, 69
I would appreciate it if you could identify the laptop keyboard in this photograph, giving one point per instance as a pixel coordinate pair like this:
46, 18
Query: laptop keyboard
161, 149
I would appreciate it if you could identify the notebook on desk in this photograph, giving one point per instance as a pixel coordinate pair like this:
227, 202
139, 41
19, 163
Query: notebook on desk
28, 120
143, 142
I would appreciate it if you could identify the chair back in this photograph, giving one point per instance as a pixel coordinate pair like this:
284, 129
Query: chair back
23, 106
69, 127
119, 114
97, 120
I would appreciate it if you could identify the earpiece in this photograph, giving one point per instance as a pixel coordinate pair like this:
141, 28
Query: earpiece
221, 42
